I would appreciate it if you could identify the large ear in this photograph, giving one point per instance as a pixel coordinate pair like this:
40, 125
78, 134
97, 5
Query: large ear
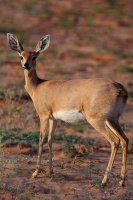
43, 44
14, 43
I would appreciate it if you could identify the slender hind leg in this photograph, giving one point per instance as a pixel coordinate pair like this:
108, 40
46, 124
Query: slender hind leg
52, 126
114, 141
115, 127
43, 128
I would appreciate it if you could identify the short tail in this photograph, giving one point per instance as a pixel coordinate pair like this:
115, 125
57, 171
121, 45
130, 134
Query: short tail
122, 92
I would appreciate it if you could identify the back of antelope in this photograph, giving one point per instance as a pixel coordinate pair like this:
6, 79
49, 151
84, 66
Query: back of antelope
99, 101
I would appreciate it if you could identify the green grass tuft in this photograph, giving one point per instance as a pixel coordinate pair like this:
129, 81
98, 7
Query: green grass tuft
79, 127
69, 149
130, 148
124, 69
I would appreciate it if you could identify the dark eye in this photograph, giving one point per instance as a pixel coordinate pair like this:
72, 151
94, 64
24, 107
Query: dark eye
33, 58
21, 57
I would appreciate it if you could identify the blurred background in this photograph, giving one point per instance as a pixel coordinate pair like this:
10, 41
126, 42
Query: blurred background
88, 38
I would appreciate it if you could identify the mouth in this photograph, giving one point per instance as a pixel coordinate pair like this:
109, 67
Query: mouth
27, 68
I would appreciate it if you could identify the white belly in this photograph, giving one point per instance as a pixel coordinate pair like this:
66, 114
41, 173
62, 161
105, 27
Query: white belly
71, 116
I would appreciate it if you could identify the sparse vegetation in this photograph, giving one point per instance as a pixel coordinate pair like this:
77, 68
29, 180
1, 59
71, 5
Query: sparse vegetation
130, 161
130, 94
127, 127
13, 94
97, 184
24, 140
124, 69
130, 147
79, 127
69, 150
32, 139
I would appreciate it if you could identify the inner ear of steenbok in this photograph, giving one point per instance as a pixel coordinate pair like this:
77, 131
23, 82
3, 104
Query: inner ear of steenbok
14, 43
43, 44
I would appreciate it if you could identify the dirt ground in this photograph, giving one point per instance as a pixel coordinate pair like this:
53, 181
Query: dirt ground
88, 39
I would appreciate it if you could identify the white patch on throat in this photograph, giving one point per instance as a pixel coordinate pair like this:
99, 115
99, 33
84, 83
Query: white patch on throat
70, 116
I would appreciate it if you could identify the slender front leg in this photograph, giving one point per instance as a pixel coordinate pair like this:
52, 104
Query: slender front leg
43, 129
52, 126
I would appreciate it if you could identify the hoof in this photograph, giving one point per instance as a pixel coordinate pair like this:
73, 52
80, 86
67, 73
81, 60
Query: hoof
51, 171
103, 184
34, 175
121, 183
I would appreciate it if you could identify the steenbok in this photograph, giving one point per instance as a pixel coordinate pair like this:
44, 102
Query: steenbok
97, 100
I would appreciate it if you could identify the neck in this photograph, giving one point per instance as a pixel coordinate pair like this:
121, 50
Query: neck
31, 81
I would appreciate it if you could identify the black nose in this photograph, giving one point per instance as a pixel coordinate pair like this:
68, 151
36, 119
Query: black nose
27, 66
